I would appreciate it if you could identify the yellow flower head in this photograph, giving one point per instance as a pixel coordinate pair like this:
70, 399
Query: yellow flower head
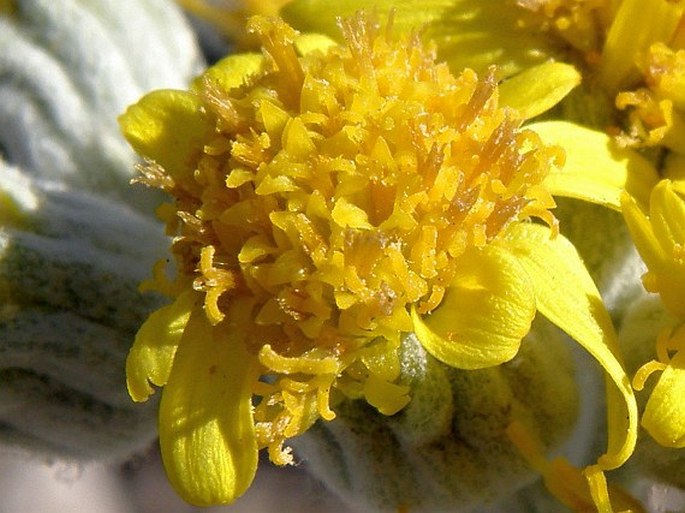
622, 49
328, 199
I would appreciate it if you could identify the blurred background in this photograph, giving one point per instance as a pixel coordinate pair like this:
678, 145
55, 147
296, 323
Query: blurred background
140, 486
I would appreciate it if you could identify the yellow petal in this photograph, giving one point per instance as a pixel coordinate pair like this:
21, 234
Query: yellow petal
322, 15
153, 350
567, 296
596, 169
231, 71
206, 430
388, 398
349, 215
478, 34
674, 169
297, 364
539, 88
664, 416
485, 313
667, 216
308, 43
642, 233
566, 482
468, 33
167, 126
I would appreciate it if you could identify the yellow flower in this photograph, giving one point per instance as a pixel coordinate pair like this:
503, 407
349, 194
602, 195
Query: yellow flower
328, 199
660, 239
620, 48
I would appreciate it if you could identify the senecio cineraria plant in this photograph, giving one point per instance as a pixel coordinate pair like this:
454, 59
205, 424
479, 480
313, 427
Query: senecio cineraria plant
363, 236
368, 266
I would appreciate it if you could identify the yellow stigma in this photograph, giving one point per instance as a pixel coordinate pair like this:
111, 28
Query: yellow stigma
331, 193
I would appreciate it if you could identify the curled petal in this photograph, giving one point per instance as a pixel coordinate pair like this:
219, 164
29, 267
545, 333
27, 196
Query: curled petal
153, 350
567, 296
664, 416
566, 482
486, 312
